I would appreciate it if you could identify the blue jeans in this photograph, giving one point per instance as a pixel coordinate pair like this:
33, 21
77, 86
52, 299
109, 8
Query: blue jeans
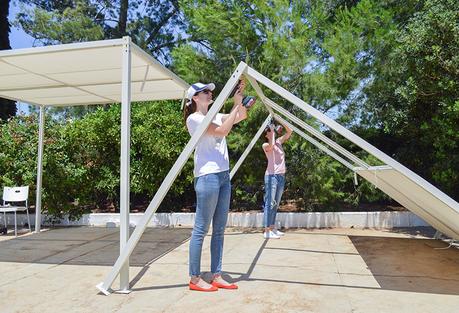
213, 193
274, 187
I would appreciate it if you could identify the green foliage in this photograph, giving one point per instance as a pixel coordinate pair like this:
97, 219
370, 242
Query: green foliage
70, 25
153, 25
379, 67
19, 149
416, 94
320, 51
387, 70
81, 157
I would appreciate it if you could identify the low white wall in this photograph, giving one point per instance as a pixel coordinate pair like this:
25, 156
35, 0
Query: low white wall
249, 219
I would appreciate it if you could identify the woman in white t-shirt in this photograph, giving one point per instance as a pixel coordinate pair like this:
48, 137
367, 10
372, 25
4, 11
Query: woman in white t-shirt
274, 178
211, 183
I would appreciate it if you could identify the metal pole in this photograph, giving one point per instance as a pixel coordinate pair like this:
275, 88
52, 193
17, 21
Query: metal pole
259, 92
41, 133
317, 144
250, 146
125, 159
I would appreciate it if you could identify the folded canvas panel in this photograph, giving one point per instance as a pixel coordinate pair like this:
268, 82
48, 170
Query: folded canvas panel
413, 197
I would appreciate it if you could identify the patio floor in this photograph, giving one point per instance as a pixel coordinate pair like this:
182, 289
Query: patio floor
320, 270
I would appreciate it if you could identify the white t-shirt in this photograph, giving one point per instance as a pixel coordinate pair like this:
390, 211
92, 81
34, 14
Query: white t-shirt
211, 153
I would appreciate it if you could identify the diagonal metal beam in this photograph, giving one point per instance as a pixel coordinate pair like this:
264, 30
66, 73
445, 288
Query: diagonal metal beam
270, 104
104, 286
316, 143
259, 92
437, 193
316, 133
250, 146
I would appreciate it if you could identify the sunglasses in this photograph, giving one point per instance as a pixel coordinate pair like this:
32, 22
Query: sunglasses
207, 91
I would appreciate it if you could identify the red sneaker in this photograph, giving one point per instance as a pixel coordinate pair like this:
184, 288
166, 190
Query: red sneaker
218, 285
197, 288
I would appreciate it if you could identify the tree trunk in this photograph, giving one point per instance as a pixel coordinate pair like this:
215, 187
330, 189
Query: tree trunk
122, 22
7, 107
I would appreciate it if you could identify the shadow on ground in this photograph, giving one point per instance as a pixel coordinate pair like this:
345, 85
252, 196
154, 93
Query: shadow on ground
415, 265
89, 246
399, 264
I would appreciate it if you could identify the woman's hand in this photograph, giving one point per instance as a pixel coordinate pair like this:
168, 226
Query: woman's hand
238, 97
238, 107
242, 85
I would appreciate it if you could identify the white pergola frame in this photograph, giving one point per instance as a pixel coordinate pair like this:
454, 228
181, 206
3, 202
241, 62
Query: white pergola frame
403, 185
126, 47
440, 222
436, 219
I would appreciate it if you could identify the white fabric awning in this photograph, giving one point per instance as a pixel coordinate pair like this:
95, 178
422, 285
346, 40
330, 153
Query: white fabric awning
87, 73
82, 74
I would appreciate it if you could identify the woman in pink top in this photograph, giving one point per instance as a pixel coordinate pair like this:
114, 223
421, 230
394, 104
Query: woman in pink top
274, 178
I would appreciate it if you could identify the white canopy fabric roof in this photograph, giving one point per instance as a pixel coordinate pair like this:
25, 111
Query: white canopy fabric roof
98, 72
83, 74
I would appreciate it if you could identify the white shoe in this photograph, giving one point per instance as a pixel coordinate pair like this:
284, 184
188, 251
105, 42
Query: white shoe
278, 232
270, 235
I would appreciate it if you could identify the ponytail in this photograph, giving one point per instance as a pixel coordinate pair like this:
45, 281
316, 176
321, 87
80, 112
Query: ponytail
188, 109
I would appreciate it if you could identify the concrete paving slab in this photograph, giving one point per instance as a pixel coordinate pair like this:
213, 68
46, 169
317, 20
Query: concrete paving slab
324, 270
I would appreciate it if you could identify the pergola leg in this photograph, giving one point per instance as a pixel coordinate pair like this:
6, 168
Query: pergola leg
125, 160
41, 132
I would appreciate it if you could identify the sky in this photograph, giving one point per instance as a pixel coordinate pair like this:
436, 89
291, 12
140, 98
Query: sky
18, 38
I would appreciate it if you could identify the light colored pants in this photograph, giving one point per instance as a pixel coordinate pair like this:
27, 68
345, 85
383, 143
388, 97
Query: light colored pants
213, 193
274, 187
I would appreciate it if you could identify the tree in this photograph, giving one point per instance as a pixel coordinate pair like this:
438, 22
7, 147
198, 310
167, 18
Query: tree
416, 95
311, 49
386, 69
154, 25
7, 107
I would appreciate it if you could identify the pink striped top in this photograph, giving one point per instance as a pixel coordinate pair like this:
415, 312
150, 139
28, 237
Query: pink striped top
276, 160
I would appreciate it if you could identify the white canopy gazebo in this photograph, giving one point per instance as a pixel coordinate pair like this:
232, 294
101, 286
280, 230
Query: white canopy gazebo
98, 72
